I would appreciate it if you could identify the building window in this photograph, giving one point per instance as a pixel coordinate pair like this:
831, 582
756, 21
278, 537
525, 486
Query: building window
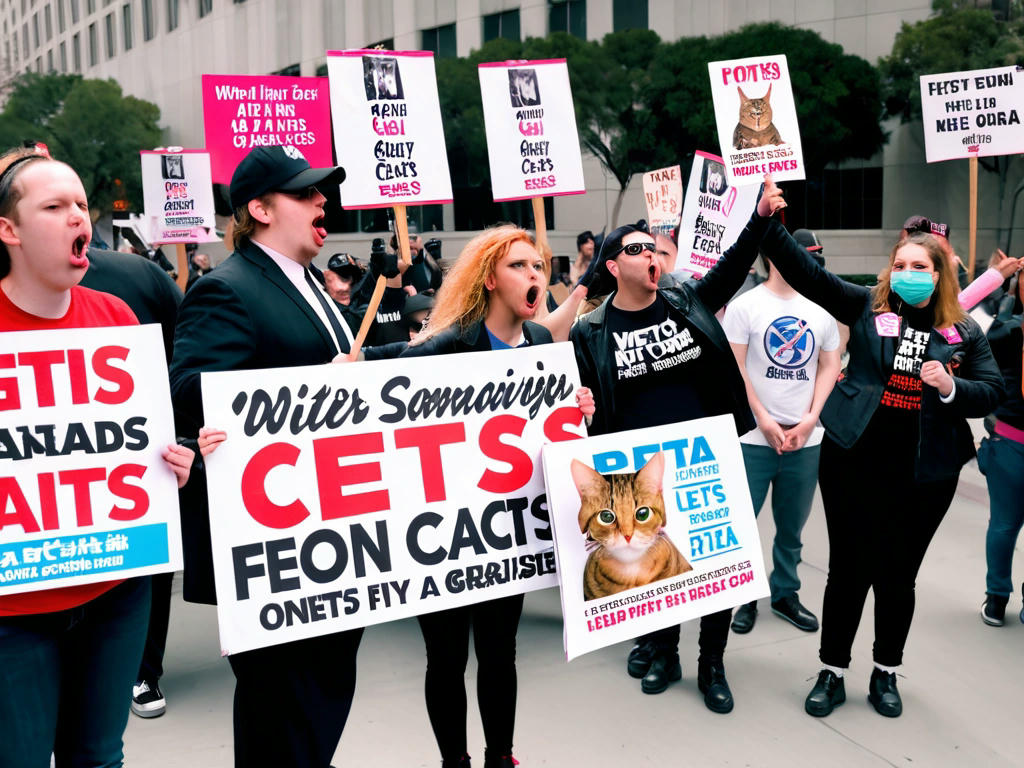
126, 22
35, 30
440, 40
90, 6
61, 19
49, 60
205, 7
16, 54
63, 57
74, 12
24, 38
504, 24
568, 16
111, 25
292, 70
148, 27
39, 64
850, 198
172, 15
94, 45
628, 14
48, 23
76, 52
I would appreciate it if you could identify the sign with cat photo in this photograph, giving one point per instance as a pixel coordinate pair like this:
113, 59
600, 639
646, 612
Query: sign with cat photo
387, 128
714, 214
532, 145
652, 527
403, 487
756, 116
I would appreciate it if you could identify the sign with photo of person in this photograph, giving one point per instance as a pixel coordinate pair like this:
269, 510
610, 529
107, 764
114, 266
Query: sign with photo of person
178, 196
532, 145
241, 112
663, 195
403, 487
387, 128
758, 129
85, 495
973, 114
652, 527
714, 214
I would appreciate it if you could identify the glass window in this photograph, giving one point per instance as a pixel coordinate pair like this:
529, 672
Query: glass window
440, 40
850, 198
74, 12
61, 19
504, 24
90, 6
628, 14
35, 30
48, 23
63, 57
568, 16
49, 60
94, 45
148, 27
205, 7
76, 52
111, 26
126, 22
24, 38
172, 15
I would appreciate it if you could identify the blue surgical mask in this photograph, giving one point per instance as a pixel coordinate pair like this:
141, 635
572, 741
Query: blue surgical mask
912, 287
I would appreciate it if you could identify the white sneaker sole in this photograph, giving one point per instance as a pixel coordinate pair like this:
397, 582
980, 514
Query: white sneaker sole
990, 621
149, 710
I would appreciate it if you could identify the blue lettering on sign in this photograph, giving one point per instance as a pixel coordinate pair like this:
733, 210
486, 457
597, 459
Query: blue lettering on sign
684, 454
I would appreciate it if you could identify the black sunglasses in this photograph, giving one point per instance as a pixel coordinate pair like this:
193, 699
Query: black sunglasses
635, 249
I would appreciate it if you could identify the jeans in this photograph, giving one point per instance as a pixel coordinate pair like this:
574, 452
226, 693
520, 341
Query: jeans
793, 477
152, 667
1002, 461
66, 680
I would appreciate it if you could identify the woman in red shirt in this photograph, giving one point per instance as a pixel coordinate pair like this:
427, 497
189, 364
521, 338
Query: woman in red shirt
68, 657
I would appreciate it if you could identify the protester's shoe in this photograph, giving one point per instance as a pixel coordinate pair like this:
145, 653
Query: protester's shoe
712, 683
640, 657
744, 618
993, 610
499, 761
827, 694
790, 609
664, 669
458, 762
147, 699
883, 695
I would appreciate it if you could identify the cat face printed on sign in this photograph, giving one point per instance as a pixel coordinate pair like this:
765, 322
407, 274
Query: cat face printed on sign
755, 127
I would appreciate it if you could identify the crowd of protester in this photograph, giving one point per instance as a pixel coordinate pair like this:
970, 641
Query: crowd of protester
917, 367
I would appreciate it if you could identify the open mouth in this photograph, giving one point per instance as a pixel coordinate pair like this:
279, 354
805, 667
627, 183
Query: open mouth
319, 232
652, 273
78, 248
531, 296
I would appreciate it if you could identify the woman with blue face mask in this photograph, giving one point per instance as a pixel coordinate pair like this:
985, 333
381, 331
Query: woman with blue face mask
896, 436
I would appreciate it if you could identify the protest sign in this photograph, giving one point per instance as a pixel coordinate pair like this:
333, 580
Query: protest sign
756, 116
532, 144
663, 194
973, 114
677, 539
241, 112
178, 196
714, 214
84, 493
409, 488
387, 128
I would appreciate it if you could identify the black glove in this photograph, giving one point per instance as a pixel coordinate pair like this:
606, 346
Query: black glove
383, 263
433, 246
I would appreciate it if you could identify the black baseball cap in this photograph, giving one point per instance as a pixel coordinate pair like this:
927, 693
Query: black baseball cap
340, 265
277, 169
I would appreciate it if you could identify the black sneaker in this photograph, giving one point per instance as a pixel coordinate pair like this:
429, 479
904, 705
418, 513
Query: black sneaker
790, 609
744, 618
827, 694
993, 610
148, 700
640, 657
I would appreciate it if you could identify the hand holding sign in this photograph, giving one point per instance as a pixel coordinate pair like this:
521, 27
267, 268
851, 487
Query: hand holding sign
771, 199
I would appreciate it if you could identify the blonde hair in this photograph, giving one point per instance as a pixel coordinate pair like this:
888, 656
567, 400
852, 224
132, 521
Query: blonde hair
462, 298
947, 308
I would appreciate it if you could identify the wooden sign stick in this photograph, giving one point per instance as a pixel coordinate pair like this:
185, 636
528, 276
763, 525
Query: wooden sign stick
402, 236
540, 224
972, 247
182, 267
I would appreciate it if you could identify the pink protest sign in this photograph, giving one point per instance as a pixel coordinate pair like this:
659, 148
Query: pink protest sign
245, 111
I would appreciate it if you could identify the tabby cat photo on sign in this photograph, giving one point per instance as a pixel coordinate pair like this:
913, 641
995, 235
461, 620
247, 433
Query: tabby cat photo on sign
622, 517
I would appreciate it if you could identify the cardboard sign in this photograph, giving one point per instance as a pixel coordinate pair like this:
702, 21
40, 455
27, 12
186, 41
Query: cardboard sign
241, 112
663, 194
532, 144
84, 493
687, 547
973, 114
714, 214
178, 196
756, 116
387, 128
401, 487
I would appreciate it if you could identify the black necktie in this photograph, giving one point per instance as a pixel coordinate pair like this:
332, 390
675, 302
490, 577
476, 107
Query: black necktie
339, 334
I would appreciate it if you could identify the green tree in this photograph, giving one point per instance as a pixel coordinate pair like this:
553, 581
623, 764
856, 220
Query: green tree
89, 124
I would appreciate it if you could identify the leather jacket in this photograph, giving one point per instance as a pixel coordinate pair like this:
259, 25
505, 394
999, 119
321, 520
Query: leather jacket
473, 339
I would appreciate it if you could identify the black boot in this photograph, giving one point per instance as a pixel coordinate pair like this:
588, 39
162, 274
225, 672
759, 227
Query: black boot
883, 695
712, 683
664, 669
638, 663
499, 761
827, 694
458, 762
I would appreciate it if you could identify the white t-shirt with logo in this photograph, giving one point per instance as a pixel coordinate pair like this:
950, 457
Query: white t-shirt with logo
783, 338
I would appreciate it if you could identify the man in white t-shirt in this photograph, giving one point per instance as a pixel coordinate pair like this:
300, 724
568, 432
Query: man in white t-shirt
787, 348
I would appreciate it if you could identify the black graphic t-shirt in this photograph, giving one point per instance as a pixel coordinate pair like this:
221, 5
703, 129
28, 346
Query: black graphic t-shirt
387, 325
663, 367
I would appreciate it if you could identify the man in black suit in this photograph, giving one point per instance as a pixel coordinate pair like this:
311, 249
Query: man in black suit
266, 307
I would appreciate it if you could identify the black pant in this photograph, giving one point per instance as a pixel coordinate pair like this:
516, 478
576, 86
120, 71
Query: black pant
446, 635
152, 666
292, 700
714, 634
880, 522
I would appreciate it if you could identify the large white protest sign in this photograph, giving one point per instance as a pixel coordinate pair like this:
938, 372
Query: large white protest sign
663, 195
84, 493
387, 128
973, 114
178, 196
676, 540
351, 495
756, 116
532, 144
714, 214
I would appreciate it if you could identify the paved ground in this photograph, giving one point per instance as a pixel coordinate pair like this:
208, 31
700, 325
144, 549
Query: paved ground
960, 687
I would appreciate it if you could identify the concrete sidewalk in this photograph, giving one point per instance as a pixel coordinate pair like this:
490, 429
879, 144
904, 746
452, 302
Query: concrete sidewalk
960, 685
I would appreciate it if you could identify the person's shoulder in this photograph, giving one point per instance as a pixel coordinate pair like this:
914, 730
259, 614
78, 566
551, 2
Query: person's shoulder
103, 308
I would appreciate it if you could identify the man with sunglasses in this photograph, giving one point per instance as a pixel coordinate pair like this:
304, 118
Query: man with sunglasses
655, 354
266, 307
